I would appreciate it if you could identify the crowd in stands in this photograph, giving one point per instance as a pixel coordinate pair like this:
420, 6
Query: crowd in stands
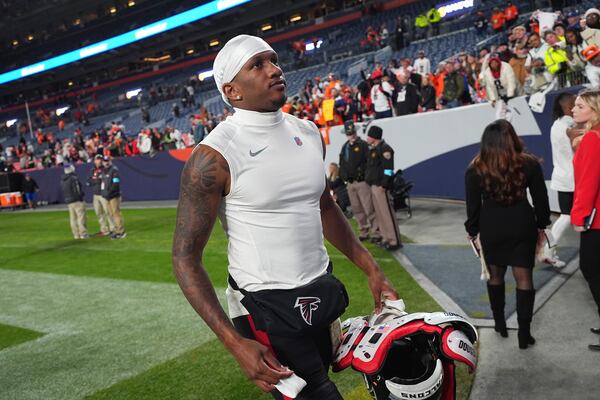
551, 50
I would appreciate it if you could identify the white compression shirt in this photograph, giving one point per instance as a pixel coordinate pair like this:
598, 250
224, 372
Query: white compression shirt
271, 215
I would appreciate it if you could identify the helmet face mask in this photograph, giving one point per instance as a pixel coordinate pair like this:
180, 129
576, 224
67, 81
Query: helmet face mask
407, 356
411, 370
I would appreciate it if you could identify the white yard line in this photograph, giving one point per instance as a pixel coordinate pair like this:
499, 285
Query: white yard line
98, 332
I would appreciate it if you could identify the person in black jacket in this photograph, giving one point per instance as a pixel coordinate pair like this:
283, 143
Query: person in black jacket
407, 96
379, 175
30, 187
353, 162
111, 191
427, 95
73, 193
509, 228
94, 180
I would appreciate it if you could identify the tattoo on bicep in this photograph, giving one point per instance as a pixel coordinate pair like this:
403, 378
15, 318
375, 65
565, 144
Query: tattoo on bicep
198, 204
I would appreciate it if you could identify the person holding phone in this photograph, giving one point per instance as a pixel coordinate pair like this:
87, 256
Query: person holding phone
509, 228
586, 166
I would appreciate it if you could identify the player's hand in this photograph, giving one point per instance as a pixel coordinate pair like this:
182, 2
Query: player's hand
259, 364
381, 289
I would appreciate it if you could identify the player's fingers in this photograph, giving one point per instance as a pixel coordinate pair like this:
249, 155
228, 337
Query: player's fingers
274, 363
264, 386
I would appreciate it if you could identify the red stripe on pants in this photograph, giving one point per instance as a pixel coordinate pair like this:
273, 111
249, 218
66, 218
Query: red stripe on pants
262, 338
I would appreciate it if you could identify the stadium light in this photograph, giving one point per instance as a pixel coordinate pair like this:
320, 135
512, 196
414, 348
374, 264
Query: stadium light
295, 18
266, 27
70, 83
15, 42
132, 93
131, 3
77, 22
113, 10
189, 51
30, 37
213, 43
10, 122
61, 111
206, 74
195, 14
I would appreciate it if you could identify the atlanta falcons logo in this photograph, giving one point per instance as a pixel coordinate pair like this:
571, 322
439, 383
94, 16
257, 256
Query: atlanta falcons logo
307, 306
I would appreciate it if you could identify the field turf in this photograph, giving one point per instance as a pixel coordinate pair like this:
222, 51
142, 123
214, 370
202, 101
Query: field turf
104, 319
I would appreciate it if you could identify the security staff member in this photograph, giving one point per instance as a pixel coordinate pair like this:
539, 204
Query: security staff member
379, 174
101, 208
110, 188
353, 162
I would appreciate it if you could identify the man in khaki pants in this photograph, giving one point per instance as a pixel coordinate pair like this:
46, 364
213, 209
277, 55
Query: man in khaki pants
73, 193
110, 188
380, 174
353, 162
107, 226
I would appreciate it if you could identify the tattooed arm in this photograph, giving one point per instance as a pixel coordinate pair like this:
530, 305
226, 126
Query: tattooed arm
204, 181
339, 233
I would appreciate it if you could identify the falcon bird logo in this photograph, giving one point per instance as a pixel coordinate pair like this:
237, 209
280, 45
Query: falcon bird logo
307, 306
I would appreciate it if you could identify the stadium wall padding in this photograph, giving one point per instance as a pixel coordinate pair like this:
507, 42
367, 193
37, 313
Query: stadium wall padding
433, 149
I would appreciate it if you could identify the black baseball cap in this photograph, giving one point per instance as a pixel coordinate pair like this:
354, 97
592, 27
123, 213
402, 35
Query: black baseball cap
349, 127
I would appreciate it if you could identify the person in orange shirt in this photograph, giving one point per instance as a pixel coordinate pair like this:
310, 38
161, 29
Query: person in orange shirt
498, 20
511, 14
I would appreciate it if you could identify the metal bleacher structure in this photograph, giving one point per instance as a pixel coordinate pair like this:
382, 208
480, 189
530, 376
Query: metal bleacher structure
340, 49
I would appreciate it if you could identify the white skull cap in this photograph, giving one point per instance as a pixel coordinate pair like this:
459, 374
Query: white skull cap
232, 57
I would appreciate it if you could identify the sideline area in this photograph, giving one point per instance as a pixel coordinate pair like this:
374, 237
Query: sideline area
560, 365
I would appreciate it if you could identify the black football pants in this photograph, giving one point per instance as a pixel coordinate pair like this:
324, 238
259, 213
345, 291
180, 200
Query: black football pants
308, 356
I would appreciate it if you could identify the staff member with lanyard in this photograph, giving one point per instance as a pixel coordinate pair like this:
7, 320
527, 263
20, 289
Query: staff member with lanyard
261, 171
380, 176
353, 162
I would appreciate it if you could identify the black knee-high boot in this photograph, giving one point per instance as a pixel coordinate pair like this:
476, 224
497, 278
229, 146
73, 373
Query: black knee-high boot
525, 301
496, 295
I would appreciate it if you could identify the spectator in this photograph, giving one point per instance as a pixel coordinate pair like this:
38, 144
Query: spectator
454, 86
421, 24
30, 188
503, 52
381, 95
434, 17
574, 49
73, 193
500, 85
498, 20
422, 65
407, 97
519, 50
560, 31
339, 192
539, 77
591, 27
384, 36
555, 58
481, 23
400, 31
175, 110
511, 14
427, 95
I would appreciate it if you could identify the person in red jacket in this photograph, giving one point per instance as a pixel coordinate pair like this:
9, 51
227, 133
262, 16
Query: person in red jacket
586, 165
497, 20
511, 14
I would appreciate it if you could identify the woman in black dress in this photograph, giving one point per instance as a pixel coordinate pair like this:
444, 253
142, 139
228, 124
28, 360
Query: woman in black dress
508, 226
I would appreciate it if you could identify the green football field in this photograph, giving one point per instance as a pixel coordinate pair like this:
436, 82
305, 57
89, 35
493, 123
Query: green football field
104, 319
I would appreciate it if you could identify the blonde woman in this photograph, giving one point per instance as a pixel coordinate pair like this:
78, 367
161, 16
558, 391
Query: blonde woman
586, 166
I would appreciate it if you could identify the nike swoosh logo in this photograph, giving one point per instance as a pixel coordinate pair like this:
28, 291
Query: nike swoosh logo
254, 154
